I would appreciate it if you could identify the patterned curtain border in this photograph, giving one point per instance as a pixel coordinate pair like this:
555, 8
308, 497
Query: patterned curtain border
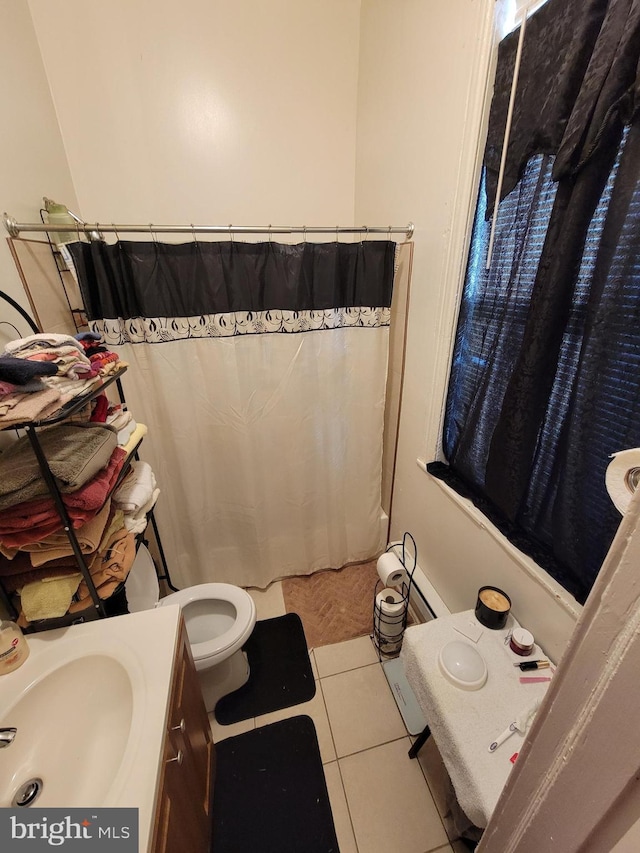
157, 330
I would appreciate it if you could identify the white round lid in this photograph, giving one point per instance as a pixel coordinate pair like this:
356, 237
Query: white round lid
522, 637
463, 665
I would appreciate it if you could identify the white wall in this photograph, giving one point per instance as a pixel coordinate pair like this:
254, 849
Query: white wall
206, 111
32, 158
423, 71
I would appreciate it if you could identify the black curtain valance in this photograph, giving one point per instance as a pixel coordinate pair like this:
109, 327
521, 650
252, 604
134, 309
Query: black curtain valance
577, 76
150, 279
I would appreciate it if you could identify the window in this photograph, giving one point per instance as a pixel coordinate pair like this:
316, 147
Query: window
545, 379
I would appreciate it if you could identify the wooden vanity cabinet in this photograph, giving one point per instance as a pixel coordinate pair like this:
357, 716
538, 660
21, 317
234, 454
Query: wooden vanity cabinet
183, 805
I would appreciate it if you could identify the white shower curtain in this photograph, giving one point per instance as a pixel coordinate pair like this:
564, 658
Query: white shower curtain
267, 447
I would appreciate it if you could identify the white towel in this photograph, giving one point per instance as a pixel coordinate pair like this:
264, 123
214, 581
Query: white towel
126, 432
43, 340
136, 489
136, 522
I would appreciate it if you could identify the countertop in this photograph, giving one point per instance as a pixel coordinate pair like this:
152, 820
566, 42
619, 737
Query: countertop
145, 643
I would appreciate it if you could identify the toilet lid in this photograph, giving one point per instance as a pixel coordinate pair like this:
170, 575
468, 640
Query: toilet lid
244, 621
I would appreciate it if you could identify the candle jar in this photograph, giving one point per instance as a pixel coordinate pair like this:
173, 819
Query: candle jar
492, 607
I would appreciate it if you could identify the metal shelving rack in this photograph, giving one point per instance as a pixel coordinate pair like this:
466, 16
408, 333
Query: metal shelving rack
99, 610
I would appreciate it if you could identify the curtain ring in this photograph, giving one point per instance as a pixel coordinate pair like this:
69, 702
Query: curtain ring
115, 231
230, 232
153, 235
366, 233
389, 234
193, 233
337, 236
304, 233
78, 231
270, 234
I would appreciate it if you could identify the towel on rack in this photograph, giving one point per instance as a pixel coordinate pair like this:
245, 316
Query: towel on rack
137, 487
68, 360
19, 571
136, 522
42, 340
12, 542
126, 434
26, 408
114, 524
30, 387
57, 545
100, 408
48, 599
117, 417
81, 505
75, 453
134, 439
109, 568
19, 372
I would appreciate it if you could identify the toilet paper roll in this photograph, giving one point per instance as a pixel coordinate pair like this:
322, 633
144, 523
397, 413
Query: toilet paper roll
623, 477
389, 618
390, 607
390, 570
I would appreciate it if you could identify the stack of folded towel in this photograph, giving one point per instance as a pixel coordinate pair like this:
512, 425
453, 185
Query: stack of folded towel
136, 496
86, 458
41, 373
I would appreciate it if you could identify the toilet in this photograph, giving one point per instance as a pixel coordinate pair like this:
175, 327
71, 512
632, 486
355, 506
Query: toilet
219, 618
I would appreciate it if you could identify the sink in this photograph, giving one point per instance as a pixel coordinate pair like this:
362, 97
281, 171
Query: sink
76, 709
89, 705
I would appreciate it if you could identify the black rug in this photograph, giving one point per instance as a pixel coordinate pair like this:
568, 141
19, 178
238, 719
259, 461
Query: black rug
280, 672
270, 792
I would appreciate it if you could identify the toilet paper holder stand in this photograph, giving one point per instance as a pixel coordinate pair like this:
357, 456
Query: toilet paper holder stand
391, 606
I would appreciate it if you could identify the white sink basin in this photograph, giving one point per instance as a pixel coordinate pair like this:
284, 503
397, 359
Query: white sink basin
73, 725
89, 705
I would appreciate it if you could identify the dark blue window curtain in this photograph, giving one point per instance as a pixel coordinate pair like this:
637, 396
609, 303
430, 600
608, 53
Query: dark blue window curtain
545, 380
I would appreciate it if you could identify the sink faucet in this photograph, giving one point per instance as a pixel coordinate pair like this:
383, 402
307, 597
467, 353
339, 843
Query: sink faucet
6, 737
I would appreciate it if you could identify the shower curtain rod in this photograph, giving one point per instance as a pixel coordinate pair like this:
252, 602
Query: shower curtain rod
96, 230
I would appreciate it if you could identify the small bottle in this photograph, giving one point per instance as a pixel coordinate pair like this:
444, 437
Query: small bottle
14, 649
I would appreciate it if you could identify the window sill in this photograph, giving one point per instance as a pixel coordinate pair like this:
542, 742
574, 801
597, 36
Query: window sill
529, 566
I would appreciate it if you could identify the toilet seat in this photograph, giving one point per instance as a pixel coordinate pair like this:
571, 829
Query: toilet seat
236, 634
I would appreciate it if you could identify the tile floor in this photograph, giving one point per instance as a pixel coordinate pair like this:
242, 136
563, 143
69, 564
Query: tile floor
381, 800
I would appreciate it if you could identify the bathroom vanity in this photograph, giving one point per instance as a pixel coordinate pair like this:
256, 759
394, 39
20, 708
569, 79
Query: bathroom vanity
110, 713
184, 800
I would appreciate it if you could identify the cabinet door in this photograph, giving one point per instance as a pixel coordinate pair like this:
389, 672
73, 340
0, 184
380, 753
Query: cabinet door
183, 818
179, 827
191, 727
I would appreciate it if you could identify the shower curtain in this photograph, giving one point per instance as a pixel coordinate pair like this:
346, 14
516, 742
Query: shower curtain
260, 370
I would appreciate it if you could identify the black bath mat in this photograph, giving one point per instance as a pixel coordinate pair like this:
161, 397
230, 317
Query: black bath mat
270, 792
280, 672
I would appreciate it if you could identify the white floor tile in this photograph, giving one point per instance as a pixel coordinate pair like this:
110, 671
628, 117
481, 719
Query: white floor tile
317, 711
341, 657
339, 808
362, 711
389, 801
223, 732
270, 601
